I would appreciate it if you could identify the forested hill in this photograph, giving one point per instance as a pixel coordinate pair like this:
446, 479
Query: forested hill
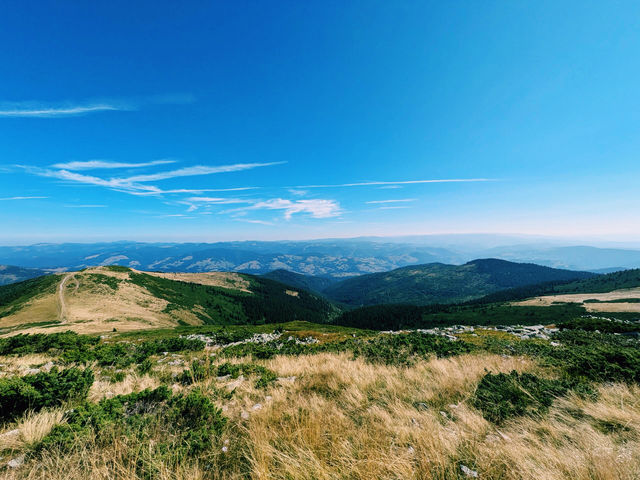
597, 284
441, 283
298, 280
11, 274
106, 298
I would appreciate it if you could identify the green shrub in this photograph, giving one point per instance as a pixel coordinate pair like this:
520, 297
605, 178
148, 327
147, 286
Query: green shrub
401, 349
265, 376
189, 424
502, 396
199, 371
46, 343
123, 354
45, 389
600, 324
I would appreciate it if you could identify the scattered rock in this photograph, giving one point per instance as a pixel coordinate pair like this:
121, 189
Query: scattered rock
444, 414
16, 462
47, 366
257, 406
225, 449
411, 450
32, 371
468, 472
10, 434
244, 415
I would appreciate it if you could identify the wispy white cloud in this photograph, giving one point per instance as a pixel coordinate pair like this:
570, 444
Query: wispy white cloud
298, 193
396, 207
196, 191
28, 110
85, 206
401, 200
103, 164
258, 222
316, 208
216, 200
69, 109
136, 185
198, 170
21, 198
402, 182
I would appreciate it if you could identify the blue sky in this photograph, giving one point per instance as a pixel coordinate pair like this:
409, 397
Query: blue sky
272, 120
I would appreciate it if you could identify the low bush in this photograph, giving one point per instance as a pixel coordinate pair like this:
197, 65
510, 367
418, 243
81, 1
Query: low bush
265, 376
45, 389
200, 371
502, 396
46, 343
179, 425
600, 324
123, 354
402, 349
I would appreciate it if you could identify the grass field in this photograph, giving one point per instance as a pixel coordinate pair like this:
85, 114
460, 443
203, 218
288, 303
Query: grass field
300, 401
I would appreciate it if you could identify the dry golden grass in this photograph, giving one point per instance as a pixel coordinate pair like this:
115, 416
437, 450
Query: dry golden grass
546, 300
84, 306
13, 365
229, 280
131, 383
32, 428
346, 419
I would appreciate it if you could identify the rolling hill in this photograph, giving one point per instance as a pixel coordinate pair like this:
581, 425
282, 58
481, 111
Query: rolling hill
100, 299
298, 280
441, 283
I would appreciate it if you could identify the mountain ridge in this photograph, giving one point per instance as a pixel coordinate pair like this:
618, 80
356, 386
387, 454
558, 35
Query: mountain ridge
443, 283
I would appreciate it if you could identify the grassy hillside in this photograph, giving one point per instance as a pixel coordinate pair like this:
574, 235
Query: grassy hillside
298, 401
597, 284
440, 283
15, 296
298, 280
106, 298
267, 302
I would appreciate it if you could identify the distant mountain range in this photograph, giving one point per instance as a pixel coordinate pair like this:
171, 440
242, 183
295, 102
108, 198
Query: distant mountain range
332, 258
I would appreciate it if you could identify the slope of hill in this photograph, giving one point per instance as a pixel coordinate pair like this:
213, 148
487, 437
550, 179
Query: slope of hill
621, 280
298, 280
12, 274
440, 283
101, 299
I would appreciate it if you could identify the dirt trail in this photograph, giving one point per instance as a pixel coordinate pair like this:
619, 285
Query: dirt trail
63, 307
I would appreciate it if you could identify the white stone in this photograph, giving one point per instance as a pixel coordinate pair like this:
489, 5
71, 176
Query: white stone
16, 462
468, 472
